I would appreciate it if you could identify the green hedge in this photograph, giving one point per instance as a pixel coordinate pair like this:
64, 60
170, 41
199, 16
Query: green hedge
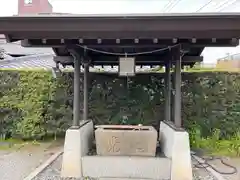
24, 98
33, 105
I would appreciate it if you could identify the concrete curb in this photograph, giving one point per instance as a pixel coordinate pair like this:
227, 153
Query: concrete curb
209, 169
43, 166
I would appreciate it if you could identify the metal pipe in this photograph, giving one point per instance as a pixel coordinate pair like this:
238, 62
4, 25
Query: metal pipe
85, 90
168, 91
177, 97
76, 101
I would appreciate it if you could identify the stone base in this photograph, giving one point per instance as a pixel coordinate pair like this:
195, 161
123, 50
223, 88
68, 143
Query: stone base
124, 140
124, 167
71, 163
77, 144
175, 145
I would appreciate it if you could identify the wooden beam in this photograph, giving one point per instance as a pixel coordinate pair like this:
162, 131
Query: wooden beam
140, 60
146, 58
128, 43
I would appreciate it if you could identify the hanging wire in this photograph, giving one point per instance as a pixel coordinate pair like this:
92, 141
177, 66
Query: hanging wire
220, 4
205, 5
173, 5
128, 54
226, 5
169, 4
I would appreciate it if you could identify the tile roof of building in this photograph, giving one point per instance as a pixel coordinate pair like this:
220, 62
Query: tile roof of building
45, 62
16, 48
231, 57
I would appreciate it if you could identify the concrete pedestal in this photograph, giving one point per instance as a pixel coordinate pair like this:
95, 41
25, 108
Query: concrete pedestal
77, 144
175, 145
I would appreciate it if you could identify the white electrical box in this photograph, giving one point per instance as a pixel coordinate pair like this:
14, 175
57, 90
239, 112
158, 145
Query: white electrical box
126, 66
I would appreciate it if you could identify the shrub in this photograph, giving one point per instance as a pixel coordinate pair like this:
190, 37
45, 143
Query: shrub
23, 104
34, 105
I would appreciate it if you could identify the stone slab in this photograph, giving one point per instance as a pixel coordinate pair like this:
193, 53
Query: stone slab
86, 137
126, 167
126, 140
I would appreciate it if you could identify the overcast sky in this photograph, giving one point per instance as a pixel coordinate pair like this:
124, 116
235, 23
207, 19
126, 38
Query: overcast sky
9, 7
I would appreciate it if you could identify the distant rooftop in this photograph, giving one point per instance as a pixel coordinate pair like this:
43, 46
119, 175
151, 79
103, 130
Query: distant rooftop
45, 62
231, 57
16, 49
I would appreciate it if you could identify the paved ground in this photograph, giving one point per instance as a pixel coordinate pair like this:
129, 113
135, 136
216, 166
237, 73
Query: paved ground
18, 163
15, 165
223, 168
228, 168
201, 173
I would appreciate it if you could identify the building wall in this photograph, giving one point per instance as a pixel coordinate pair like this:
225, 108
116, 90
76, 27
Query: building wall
229, 65
34, 7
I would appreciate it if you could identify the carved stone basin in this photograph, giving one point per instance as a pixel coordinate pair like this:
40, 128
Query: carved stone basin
125, 140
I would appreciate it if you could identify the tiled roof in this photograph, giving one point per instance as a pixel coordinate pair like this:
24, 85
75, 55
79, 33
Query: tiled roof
39, 61
231, 57
16, 48
43, 61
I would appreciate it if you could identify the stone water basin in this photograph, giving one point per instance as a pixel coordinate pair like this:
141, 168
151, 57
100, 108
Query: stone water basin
125, 140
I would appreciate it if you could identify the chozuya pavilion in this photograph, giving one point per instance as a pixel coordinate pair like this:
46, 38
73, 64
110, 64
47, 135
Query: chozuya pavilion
172, 41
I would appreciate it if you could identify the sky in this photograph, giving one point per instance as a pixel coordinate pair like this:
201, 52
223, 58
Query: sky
9, 7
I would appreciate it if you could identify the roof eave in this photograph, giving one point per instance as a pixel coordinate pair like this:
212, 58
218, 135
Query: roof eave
69, 27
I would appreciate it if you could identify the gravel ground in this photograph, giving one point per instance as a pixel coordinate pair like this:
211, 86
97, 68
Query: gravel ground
15, 165
201, 173
53, 172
